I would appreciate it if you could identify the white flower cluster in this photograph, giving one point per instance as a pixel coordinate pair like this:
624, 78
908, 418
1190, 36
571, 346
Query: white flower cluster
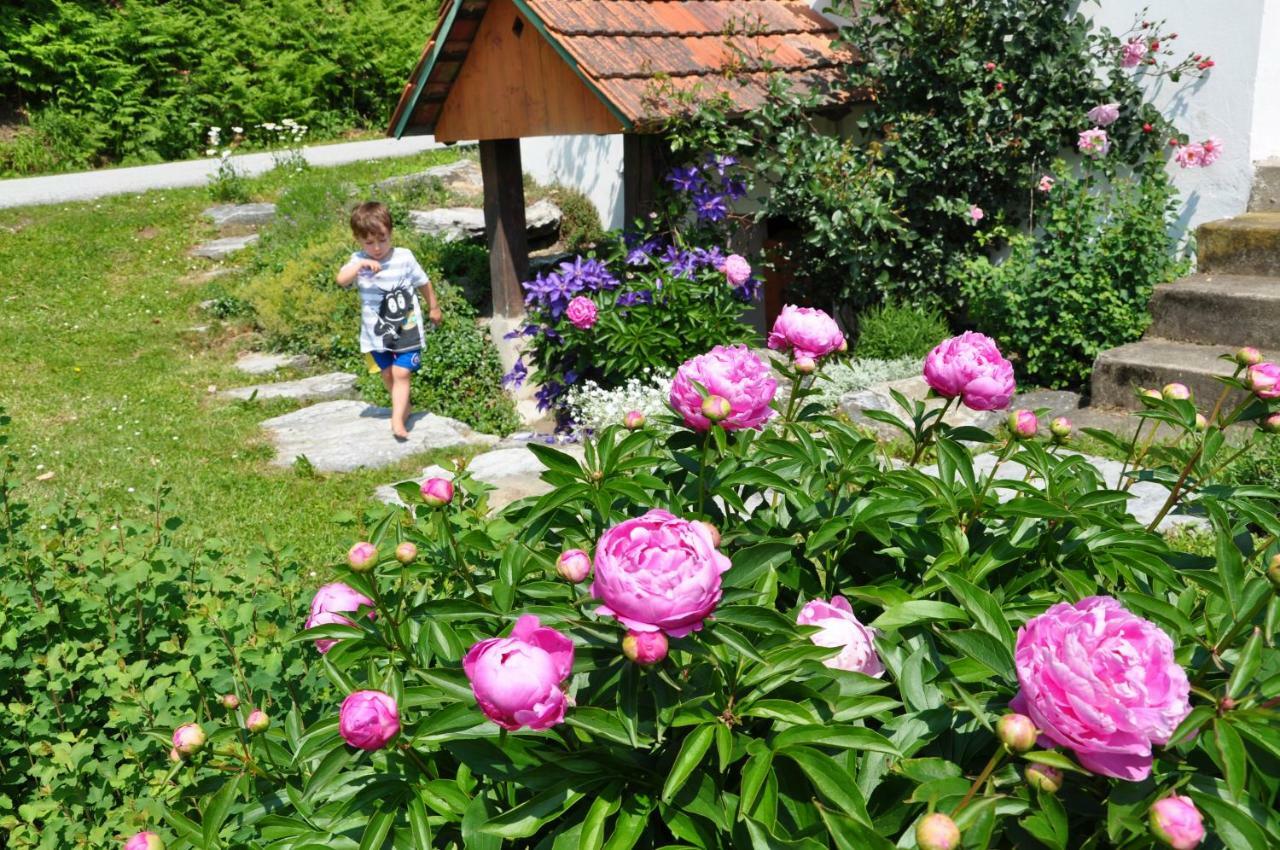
593, 408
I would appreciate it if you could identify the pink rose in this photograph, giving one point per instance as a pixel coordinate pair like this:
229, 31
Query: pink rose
516, 680
144, 841
971, 366
658, 573
645, 647
1190, 156
327, 607
573, 565
1212, 148
1102, 682
1023, 424
734, 374
806, 332
368, 719
1093, 142
1264, 379
1132, 52
976, 213
1046, 184
1105, 114
437, 492
736, 269
839, 627
1177, 822
582, 312
188, 739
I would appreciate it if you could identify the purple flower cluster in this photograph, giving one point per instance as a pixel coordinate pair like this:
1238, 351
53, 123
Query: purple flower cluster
555, 290
515, 378
631, 299
709, 186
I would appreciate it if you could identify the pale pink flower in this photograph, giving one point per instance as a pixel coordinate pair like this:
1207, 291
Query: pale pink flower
1094, 142
838, 627
1190, 156
1104, 114
736, 269
976, 213
1212, 147
1132, 53
1046, 184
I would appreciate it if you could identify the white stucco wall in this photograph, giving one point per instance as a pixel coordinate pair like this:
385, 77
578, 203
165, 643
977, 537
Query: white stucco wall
590, 164
1265, 140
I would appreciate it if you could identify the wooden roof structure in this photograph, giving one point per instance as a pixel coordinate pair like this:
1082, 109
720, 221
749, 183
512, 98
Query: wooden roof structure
501, 69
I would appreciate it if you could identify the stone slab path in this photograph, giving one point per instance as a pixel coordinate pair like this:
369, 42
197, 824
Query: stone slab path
333, 385
339, 436
264, 363
512, 470
248, 215
220, 249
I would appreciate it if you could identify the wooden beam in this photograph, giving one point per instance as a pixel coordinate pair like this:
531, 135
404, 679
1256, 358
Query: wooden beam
641, 154
504, 223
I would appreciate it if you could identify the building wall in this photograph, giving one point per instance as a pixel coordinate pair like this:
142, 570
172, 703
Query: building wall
591, 164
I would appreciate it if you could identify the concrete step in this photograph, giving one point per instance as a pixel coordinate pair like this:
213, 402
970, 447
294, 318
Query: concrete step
1217, 309
1248, 244
1152, 363
1265, 196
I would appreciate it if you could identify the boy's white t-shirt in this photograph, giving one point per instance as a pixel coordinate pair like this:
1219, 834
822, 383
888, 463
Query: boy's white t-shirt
390, 317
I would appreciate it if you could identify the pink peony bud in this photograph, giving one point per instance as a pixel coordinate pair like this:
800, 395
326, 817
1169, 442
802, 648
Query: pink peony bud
1044, 778
716, 407
838, 627
1023, 424
1264, 379
1272, 424
1273, 572
229, 701
1151, 394
1202, 424
633, 421
645, 647
437, 492
1060, 427
1017, 732
257, 721
174, 755
368, 719
188, 739
581, 312
844, 345
1248, 356
805, 365
144, 841
711, 529
937, 832
1176, 392
1177, 822
406, 552
362, 557
573, 565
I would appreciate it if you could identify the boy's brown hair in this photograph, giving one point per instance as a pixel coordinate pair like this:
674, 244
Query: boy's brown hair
370, 219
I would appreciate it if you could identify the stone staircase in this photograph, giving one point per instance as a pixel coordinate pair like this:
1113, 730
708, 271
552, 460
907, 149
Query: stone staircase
1232, 300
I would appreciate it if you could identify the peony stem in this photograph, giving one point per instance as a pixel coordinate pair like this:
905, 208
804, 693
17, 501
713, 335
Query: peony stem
791, 400
457, 555
992, 764
702, 471
924, 437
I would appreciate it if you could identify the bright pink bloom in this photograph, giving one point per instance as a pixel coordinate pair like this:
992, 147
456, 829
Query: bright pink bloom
516, 680
437, 492
1264, 379
1190, 156
971, 366
1177, 822
144, 841
368, 719
976, 213
188, 739
1104, 114
573, 565
1046, 184
806, 332
328, 605
658, 572
733, 373
1132, 52
1093, 142
839, 627
645, 647
1102, 682
736, 269
1023, 424
1212, 148
362, 556
582, 312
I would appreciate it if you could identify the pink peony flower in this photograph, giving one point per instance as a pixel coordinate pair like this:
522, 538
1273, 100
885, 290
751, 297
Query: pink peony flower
1132, 52
1190, 156
645, 647
733, 373
368, 719
1046, 184
806, 332
188, 739
971, 366
1023, 424
573, 565
1102, 682
257, 721
516, 680
144, 841
582, 312
658, 573
976, 213
1177, 822
437, 492
1264, 379
1104, 114
1093, 142
327, 607
362, 556
1212, 148
736, 269
839, 627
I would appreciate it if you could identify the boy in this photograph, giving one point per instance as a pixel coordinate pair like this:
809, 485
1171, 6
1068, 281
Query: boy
389, 280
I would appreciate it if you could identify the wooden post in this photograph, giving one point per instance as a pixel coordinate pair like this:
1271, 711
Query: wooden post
504, 223
640, 155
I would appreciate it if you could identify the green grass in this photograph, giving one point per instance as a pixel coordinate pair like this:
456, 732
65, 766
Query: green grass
109, 390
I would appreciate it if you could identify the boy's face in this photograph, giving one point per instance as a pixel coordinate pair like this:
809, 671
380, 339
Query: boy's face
376, 245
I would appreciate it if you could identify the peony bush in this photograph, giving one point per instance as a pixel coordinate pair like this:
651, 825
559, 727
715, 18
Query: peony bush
790, 641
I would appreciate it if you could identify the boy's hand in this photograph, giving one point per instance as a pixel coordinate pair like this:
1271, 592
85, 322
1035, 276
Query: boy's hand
434, 315
372, 265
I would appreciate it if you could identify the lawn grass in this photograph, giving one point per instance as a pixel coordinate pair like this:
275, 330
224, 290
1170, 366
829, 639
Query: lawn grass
109, 388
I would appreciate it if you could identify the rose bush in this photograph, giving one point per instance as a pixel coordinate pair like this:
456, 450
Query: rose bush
690, 697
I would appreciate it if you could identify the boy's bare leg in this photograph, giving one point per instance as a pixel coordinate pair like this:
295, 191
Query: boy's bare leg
400, 379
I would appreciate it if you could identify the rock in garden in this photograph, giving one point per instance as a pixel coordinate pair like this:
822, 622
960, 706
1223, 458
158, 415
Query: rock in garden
315, 388
458, 224
250, 215
339, 436
513, 472
262, 363
221, 248
462, 178
878, 397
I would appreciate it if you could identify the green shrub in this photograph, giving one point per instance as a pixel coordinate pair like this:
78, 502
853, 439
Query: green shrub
462, 264
890, 331
580, 228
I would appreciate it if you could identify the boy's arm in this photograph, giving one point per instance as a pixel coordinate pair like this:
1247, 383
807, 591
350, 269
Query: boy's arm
433, 306
348, 273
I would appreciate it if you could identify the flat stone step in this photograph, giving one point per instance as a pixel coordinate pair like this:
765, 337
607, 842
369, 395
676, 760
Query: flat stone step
316, 388
1152, 363
264, 363
248, 215
1218, 309
339, 436
513, 472
459, 224
1265, 196
220, 249
1248, 244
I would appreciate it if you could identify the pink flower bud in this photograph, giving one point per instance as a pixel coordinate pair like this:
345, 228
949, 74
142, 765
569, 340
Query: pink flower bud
144, 841
188, 739
437, 492
645, 647
362, 556
805, 365
229, 701
1017, 732
406, 552
573, 565
1176, 392
1151, 394
711, 529
1202, 424
1023, 424
1248, 356
715, 408
843, 346
1272, 424
1177, 822
1273, 571
633, 421
257, 721
1044, 778
1060, 427
174, 755
937, 832
1264, 379
988, 66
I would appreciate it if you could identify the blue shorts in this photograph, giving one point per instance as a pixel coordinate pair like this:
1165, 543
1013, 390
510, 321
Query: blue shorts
411, 360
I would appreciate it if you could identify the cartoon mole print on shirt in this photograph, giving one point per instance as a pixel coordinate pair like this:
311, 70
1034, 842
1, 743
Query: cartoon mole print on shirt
397, 320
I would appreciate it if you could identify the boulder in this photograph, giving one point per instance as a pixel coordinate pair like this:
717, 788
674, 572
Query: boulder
878, 397
317, 387
512, 471
458, 224
462, 178
262, 363
249, 215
